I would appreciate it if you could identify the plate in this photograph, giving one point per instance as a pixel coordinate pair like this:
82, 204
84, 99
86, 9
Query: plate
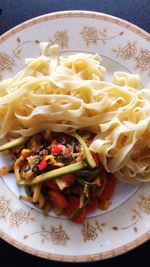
123, 46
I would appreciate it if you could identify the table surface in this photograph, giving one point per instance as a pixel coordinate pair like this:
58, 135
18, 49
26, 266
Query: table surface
13, 12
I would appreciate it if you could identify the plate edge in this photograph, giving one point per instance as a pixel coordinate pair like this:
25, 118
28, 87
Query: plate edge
76, 258
75, 13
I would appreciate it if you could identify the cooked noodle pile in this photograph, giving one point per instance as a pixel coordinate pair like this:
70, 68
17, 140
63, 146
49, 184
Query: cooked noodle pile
68, 93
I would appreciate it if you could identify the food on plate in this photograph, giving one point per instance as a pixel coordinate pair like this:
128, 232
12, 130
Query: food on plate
58, 169
71, 133
59, 172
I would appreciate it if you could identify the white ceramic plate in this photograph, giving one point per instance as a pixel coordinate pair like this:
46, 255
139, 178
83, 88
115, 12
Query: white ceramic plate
126, 224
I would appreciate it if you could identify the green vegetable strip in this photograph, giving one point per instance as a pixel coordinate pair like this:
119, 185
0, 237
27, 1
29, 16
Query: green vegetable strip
89, 159
83, 182
11, 144
28, 191
76, 213
88, 173
55, 173
78, 210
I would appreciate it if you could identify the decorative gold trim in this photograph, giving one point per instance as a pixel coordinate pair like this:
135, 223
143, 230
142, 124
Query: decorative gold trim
19, 216
55, 234
90, 231
130, 50
68, 14
98, 256
84, 258
92, 35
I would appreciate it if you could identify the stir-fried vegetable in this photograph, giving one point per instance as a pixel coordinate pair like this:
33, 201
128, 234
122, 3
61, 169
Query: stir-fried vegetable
55, 173
59, 172
88, 156
16, 142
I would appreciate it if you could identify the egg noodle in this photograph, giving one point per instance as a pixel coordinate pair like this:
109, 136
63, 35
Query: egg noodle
66, 93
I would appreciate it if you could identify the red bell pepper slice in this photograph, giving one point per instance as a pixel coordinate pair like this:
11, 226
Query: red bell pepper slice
43, 164
57, 149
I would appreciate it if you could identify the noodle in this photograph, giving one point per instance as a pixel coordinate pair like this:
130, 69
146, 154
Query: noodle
66, 93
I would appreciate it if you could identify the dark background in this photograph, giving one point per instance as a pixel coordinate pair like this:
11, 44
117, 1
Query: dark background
13, 12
